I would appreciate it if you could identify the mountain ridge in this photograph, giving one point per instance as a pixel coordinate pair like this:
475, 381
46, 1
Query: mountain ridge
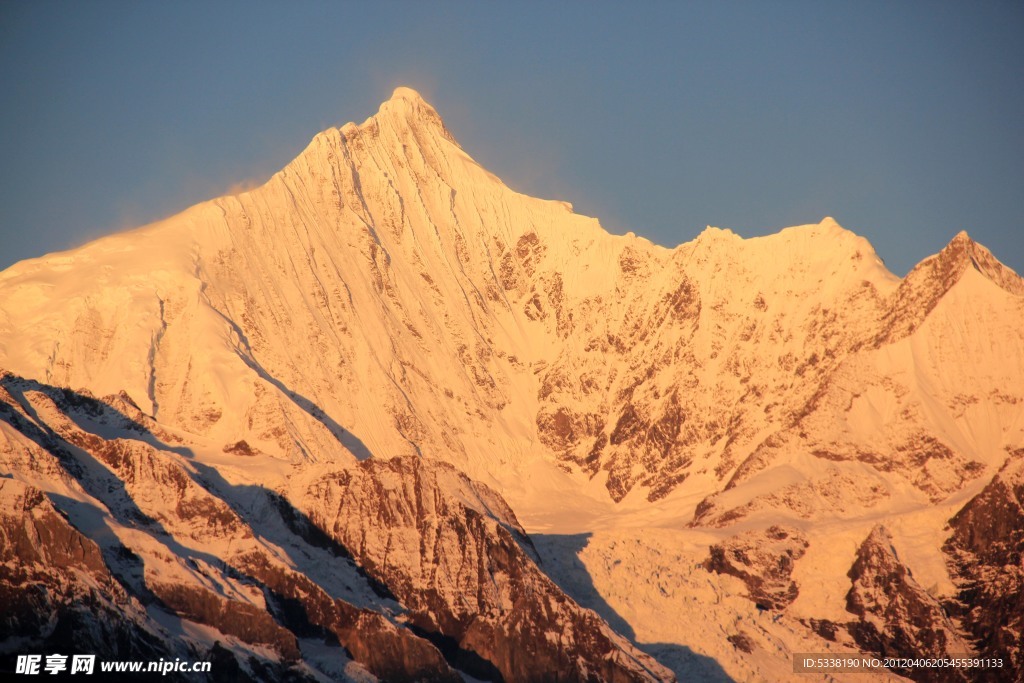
280, 226
384, 296
325, 175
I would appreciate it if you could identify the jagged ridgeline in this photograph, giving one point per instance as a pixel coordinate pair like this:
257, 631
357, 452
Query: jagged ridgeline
286, 431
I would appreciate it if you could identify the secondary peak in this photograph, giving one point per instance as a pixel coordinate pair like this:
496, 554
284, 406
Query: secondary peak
962, 238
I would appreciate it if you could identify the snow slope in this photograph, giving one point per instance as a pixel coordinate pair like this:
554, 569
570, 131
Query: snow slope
384, 295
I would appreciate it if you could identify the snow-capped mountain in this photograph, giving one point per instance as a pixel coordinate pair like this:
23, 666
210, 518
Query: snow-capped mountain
326, 396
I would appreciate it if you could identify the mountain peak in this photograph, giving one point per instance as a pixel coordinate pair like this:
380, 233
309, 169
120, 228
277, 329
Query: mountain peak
403, 92
961, 246
406, 119
929, 281
408, 109
963, 253
408, 103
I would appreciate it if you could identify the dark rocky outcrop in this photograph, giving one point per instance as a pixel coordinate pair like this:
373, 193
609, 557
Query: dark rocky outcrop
388, 651
442, 576
61, 592
896, 617
453, 553
763, 560
986, 558
56, 591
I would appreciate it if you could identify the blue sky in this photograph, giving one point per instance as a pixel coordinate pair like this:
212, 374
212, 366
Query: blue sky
903, 120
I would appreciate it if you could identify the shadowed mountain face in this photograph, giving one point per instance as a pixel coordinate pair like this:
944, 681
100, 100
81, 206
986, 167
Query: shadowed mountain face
986, 554
265, 356
398, 568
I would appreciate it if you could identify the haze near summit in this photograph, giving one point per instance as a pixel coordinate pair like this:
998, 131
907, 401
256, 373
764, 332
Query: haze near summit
902, 122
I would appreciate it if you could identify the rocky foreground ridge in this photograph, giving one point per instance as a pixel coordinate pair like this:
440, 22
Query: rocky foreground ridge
401, 568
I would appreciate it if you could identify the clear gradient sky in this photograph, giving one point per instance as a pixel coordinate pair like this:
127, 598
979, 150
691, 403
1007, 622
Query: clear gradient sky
903, 120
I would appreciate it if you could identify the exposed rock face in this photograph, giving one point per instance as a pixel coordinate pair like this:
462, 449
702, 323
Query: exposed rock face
675, 374
172, 547
898, 618
55, 588
986, 556
764, 560
389, 651
408, 567
455, 556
